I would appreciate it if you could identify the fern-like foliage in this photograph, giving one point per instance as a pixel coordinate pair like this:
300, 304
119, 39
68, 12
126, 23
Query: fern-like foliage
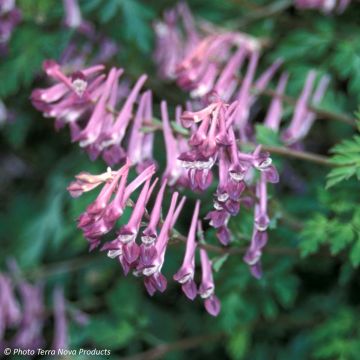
346, 158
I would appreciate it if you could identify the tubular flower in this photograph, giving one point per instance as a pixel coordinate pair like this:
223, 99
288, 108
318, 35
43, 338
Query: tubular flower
171, 44
86, 101
10, 314
261, 222
72, 13
207, 286
154, 279
140, 148
29, 333
23, 317
185, 275
60, 332
201, 69
303, 118
274, 113
173, 172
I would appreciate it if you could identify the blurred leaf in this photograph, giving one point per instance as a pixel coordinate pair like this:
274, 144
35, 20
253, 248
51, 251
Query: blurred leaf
238, 343
347, 156
313, 235
267, 136
30, 46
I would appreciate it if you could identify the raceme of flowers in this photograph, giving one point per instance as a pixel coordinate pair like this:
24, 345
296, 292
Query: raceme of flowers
140, 244
108, 119
23, 314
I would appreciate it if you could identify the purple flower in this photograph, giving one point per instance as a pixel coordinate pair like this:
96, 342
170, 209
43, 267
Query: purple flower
173, 171
29, 334
10, 314
185, 275
227, 81
74, 97
73, 17
262, 82
274, 114
140, 148
128, 232
154, 279
261, 222
303, 118
207, 286
199, 70
60, 332
241, 113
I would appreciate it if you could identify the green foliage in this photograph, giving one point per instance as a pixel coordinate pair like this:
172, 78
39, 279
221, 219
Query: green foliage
338, 337
347, 161
29, 47
267, 136
134, 17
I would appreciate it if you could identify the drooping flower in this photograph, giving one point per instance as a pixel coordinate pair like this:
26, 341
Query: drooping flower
207, 286
174, 173
29, 334
60, 340
73, 98
154, 279
185, 275
171, 44
274, 113
10, 313
140, 145
73, 16
303, 118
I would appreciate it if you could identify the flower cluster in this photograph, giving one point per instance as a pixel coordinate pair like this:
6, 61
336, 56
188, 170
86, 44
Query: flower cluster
326, 6
10, 16
219, 69
214, 141
23, 318
87, 102
146, 256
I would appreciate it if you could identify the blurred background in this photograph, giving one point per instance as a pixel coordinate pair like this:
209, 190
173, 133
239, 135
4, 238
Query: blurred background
307, 304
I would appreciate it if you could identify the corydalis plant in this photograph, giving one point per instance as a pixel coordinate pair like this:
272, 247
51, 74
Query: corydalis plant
218, 68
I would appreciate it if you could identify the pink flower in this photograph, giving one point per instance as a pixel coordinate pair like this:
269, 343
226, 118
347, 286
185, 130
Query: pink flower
207, 286
185, 275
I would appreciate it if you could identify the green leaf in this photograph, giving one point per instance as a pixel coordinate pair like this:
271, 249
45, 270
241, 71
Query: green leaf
313, 235
135, 20
267, 136
29, 47
238, 343
347, 156
339, 235
355, 252
219, 262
